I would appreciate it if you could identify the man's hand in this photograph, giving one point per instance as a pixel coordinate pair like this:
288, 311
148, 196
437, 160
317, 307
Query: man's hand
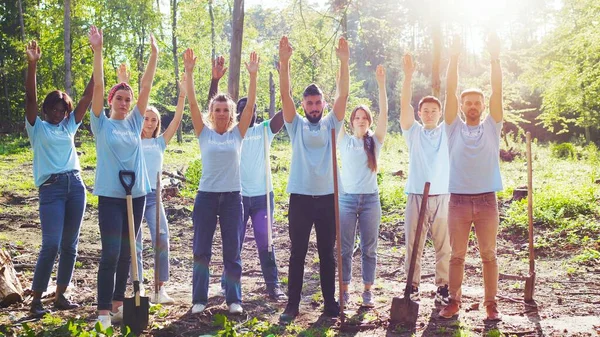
218, 68
285, 49
95, 38
408, 65
189, 60
342, 51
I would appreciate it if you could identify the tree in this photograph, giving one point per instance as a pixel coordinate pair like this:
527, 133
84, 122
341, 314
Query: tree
67, 25
235, 53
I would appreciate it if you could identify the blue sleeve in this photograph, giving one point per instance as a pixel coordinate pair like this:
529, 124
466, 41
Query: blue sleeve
332, 122
270, 133
72, 125
451, 129
96, 122
236, 132
161, 143
491, 124
32, 129
136, 119
411, 132
293, 126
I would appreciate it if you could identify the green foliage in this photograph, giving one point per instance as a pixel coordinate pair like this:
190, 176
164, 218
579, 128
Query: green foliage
589, 257
563, 151
193, 174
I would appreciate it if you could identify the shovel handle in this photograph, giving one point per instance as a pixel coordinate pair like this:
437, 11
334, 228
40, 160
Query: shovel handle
337, 223
127, 186
415, 250
158, 243
530, 203
268, 188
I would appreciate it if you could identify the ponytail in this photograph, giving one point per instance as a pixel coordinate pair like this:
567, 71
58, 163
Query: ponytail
369, 142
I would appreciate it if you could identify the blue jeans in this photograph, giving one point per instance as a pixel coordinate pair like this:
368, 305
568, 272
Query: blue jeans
62, 203
163, 249
113, 270
364, 210
228, 207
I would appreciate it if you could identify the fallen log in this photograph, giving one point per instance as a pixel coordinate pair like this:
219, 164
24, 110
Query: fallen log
10, 287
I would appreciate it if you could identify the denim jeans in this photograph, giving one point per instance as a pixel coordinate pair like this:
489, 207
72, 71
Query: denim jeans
163, 249
256, 208
306, 210
62, 203
363, 210
227, 206
116, 255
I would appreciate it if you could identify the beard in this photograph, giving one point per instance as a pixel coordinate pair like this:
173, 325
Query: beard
314, 119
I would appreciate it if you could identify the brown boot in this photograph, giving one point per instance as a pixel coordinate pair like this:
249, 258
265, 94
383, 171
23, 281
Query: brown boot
450, 310
492, 313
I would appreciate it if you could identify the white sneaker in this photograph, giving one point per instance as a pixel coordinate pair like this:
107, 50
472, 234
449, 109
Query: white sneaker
198, 308
235, 308
117, 316
163, 297
105, 321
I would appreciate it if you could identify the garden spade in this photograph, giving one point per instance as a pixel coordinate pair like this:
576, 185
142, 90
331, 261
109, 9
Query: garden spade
337, 224
404, 310
157, 243
136, 309
530, 280
268, 188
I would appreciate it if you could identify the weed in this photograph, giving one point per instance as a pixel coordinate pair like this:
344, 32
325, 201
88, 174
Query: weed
563, 151
495, 333
284, 280
588, 257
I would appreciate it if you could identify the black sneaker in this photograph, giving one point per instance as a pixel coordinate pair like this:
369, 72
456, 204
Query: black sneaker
62, 303
289, 314
275, 293
442, 296
332, 309
414, 294
37, 309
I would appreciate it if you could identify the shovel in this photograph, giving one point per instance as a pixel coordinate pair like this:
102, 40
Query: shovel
337, 224
530, 280
157, 243
404, 310
136, 309
268, 185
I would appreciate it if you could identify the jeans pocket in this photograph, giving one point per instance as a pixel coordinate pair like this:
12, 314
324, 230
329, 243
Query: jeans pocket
52, 180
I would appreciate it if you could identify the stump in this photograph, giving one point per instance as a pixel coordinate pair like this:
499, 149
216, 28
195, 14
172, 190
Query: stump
519, 193
10, 287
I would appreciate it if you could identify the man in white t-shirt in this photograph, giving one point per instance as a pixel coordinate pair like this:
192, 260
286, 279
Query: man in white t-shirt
474, 146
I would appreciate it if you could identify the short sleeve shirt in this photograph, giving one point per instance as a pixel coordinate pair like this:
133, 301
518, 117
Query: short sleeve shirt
220, 160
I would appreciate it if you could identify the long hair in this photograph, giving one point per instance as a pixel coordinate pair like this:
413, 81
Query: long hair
53, 98
157, 130
369, 142
230, 104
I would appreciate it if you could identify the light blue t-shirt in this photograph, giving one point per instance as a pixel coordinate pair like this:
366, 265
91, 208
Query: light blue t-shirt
357, 177
119, 147
474, 156
154, 149
311, 170
53, 147
220, 160
252, 165
428, 159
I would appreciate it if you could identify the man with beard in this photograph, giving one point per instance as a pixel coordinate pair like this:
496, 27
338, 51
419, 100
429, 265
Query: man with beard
474, 147
310, 182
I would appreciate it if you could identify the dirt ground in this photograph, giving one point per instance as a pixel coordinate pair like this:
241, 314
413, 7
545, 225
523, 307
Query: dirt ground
567, 304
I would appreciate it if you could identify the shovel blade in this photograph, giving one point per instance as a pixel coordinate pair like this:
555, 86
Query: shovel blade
136, 317
529, 287
404, 311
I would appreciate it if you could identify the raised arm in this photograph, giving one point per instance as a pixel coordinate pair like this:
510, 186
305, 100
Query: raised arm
189, 61
148, 77
246, 117
33, 55
496, 109
407, 112
218, 71
123, 74
451, 105
382, 120
85, 101
277, 122
170, 131
285, 53
343, 89
95, 37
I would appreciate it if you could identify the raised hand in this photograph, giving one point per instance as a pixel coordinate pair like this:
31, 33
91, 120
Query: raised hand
254, 62
409, 65
123, 75
342, 51
182, 88
456, 47
493, 44
153, 44
218, 68
189, 60
33, 51
96, 39
380, 75
285, 49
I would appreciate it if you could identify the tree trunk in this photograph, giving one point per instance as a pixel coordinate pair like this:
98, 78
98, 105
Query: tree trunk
235, 52
10, 287
21, 22
271, 96
212, 29
437, 55
67, 24
176, 62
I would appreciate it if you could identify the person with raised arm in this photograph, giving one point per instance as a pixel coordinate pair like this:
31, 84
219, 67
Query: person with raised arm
310, 182
474, 147
118, 147
252, 174
220, 140
428, 161
154, 145
359, 203
56, 173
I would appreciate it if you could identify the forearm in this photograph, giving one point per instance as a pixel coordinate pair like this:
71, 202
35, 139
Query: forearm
382, 120
277, 122
98, 92
289, 111
214, 88
31, 93
194, 109
343, 91
249, 108
407, 113
496, 109
85, 100
170, 131
451, 108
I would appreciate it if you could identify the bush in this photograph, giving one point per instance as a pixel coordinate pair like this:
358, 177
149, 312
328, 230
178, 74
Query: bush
563, 151
193, 174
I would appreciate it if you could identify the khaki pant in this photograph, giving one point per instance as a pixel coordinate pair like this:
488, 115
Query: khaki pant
482, 211
436, 221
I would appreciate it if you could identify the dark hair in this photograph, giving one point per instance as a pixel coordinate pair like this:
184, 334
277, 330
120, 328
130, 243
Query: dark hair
241, 104
158, 126
114, 89
53, 98
429, 99
471, 91
220, 97
312, 90
369, 142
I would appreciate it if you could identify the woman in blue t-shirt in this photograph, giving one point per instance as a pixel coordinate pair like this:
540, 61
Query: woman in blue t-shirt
220, 141
118, 147
359, 202
56, 173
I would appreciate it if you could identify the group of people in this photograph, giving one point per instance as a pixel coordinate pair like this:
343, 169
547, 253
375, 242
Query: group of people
458, 157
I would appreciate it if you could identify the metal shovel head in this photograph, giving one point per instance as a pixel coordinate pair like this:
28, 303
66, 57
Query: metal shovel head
136, 316
529, 287
404, 310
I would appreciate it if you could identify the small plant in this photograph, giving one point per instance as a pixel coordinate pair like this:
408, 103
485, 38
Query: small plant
78, 264
284, 280
495, 333
563, 151
588, 257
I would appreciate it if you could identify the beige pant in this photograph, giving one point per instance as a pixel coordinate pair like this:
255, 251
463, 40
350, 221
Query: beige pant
482, 211
436, 221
